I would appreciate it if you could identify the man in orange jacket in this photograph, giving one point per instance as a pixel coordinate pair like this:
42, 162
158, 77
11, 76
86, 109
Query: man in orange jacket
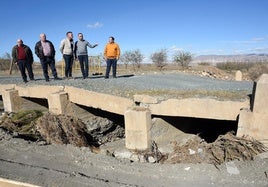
111, 55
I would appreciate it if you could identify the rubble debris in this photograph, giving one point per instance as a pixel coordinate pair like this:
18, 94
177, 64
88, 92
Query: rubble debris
226, 148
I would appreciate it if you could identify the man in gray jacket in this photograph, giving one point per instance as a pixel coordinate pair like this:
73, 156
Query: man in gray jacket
66, 48
80, 52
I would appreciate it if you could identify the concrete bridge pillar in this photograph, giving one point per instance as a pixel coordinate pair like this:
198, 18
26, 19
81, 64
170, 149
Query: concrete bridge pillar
57, 102
137, 128
260, 95
238, 75
254, 121
11, 100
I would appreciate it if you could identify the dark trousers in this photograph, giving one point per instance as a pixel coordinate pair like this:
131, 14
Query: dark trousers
48, 61
83, 60
24, 64
111, 63
69, 59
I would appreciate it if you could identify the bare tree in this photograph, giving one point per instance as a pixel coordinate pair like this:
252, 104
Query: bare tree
6, 56
137, 58
183, 58
160, 58
133, 57
126, 58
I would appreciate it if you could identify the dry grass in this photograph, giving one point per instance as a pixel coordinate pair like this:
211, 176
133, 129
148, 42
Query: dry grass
226, 148
181, 94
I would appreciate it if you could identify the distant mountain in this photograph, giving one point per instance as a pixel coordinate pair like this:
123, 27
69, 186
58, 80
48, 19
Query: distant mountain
231, 58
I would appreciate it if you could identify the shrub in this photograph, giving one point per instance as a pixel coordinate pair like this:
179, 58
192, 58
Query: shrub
204, 64
159, 58
258, 70
135, 57
183, 58
235, 65
4, 64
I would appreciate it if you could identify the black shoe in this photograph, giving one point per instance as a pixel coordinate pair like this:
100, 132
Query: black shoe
57, 78
25, 81
47, 80
32, 79
106, 77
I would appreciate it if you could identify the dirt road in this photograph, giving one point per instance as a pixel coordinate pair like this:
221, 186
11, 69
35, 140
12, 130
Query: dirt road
66, 165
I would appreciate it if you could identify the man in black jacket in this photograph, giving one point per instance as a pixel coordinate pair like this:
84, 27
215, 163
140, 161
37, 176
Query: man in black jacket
22, 56
45, 51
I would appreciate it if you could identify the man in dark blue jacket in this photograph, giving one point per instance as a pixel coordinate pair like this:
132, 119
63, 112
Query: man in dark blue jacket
45, 51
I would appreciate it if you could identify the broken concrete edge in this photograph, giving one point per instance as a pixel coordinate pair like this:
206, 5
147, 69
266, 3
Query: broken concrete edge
190, 107
110, 103
194, 107
38, 91
145, 99
5, 87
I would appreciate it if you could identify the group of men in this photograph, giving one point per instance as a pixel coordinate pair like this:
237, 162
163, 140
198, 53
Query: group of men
45, 51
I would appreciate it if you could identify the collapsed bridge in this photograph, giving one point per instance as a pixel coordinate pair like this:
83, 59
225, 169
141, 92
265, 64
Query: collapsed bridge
250, 117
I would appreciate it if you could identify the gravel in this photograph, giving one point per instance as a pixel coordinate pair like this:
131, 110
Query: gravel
124, 85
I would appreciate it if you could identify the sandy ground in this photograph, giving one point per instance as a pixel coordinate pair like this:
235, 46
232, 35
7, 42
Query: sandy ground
66, 165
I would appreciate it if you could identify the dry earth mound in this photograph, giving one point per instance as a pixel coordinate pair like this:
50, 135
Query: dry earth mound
187, 148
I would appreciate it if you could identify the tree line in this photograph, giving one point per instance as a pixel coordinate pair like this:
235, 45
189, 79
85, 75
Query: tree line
134, 58
159, 58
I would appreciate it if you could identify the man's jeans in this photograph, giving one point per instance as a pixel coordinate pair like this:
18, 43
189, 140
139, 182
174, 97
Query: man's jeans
48, 61
111, 63
83, 60
23, 64
69, 59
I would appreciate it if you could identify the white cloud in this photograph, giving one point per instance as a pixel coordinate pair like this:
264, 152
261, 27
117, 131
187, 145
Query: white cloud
95, 25
260, 39
239, 42
174, 48
239, 51
260, 49
251, 41
211, 51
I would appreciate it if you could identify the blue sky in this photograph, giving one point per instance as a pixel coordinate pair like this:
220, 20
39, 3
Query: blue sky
199, 26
